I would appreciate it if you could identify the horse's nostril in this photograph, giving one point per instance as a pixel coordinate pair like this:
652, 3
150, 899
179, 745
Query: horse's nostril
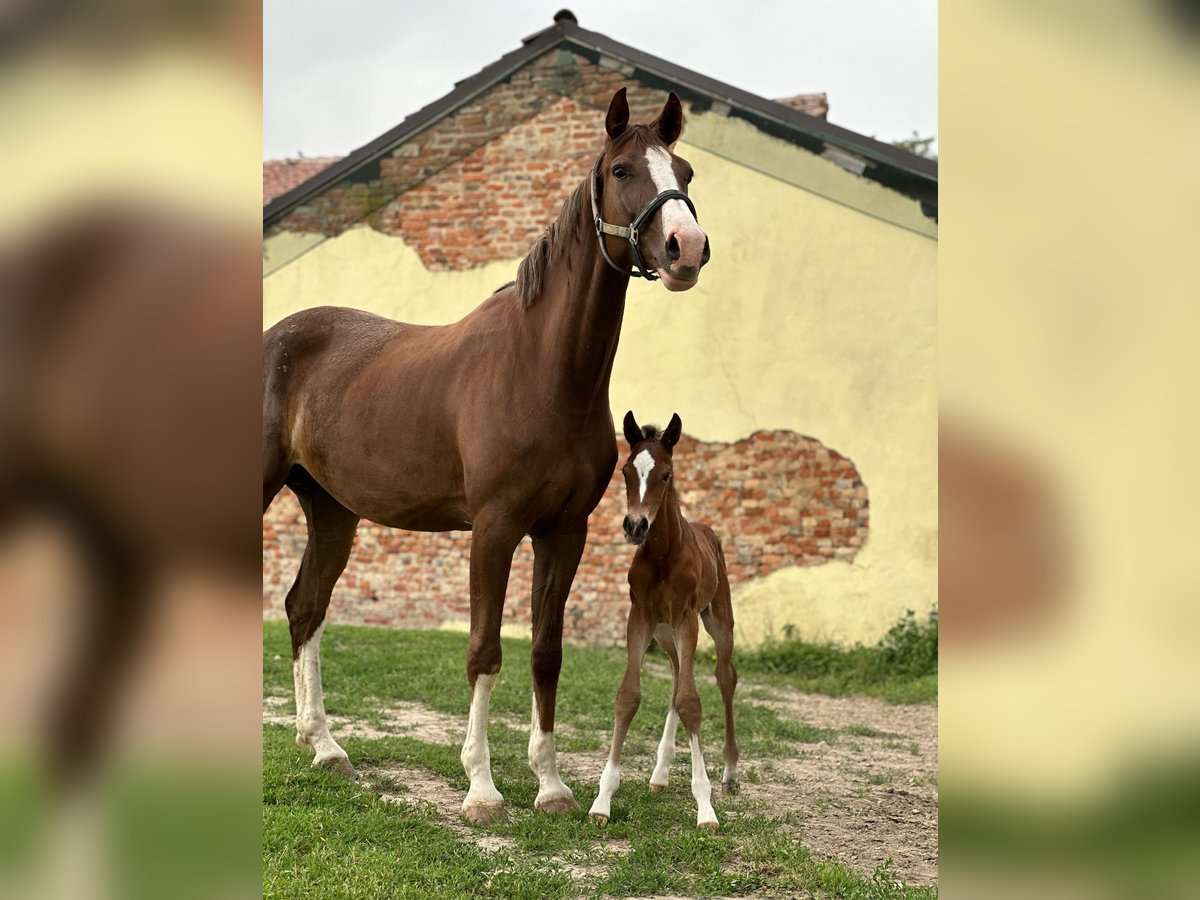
706, 253
672, 248
628, 523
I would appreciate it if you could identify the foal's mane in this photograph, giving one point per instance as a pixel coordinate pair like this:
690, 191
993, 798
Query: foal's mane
552, 242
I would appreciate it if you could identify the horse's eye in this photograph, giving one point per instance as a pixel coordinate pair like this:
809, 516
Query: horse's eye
619, 172
666, 476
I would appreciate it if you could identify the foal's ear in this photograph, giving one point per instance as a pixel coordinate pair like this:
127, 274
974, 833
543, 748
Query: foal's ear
618, 115
669, 124
633, 431
670, 437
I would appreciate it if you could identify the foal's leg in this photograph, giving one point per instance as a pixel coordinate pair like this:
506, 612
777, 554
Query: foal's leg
629, 697
556, 557
687, 704
492, 546
331, 530
718, 621
666, 746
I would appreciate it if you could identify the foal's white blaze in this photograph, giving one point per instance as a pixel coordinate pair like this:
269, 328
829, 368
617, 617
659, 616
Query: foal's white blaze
312, 730
543, 762
644, 463
666, 750
701, 786
675, 214
476, 758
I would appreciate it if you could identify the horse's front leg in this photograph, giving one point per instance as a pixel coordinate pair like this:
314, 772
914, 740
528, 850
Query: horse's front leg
556, 557
492, 547
629, 697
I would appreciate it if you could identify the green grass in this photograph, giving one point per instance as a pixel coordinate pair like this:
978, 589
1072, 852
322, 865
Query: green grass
901, 668
325, 836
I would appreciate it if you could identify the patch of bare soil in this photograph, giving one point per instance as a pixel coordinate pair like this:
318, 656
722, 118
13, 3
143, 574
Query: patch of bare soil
866, 798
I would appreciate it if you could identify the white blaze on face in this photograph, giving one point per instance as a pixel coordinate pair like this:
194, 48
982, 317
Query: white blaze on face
676, 217
644, 463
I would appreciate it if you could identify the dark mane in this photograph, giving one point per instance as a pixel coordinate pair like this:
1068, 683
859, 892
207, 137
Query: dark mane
549, 246
650, 432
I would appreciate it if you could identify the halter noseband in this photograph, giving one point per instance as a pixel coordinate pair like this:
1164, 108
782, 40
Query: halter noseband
630, 233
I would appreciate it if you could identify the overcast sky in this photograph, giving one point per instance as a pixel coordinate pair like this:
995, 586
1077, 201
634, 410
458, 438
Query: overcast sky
337, 73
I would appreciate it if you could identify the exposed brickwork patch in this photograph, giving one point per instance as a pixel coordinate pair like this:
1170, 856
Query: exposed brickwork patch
481, 184
776, 499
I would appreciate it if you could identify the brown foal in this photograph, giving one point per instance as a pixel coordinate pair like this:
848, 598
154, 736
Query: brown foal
676, 580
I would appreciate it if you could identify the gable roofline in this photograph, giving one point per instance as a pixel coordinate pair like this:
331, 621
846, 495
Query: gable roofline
892, 166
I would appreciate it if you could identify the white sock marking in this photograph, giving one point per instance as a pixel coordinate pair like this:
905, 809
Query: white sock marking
644, 463
610, 780
543, 762
312, 729
701, 786
666, 750
476, 757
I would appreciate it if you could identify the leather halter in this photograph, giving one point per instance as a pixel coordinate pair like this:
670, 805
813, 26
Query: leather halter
630, 232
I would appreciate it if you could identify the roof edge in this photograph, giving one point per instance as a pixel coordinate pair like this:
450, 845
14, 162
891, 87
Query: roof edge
906, 167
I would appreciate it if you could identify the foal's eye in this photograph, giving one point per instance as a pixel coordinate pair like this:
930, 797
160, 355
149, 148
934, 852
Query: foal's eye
619, 172
666, 476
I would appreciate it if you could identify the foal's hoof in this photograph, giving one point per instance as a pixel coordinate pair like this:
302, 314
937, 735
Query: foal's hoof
598, 819
657, 788
557, 805
708, 826
338, 765
729, 787
484, 813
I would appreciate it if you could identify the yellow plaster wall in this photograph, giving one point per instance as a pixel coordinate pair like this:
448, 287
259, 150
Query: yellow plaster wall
813, 316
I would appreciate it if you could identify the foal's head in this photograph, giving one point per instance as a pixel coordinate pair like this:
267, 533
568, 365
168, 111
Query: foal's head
647, 473
637, 165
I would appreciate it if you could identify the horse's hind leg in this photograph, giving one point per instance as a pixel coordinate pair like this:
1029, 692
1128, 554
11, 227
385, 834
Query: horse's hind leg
718, 621
687, 705
666, 746
331, 530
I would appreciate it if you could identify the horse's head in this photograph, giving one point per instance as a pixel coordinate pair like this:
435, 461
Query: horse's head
639, 180
647, 473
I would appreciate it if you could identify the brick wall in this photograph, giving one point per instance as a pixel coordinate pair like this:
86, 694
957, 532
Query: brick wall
775, 499
481, 184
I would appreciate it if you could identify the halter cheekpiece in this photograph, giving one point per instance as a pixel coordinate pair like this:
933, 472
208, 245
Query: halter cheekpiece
630, 233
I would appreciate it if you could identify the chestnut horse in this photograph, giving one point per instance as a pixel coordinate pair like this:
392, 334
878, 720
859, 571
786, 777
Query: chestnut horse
498, 423
677, 576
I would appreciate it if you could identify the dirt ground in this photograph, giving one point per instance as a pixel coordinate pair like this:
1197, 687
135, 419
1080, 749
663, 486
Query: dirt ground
870, 796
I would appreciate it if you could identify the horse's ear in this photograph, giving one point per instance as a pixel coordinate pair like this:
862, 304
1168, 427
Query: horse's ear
633, 431
669, 124
618, 115
671, 436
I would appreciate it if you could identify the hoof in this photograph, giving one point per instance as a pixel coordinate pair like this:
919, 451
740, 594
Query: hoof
657, 788
338, 765
484, 813
557, 805
708, 826
729, 787
598, 819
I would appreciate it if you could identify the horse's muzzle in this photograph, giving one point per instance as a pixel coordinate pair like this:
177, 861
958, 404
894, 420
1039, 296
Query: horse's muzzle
636, 529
